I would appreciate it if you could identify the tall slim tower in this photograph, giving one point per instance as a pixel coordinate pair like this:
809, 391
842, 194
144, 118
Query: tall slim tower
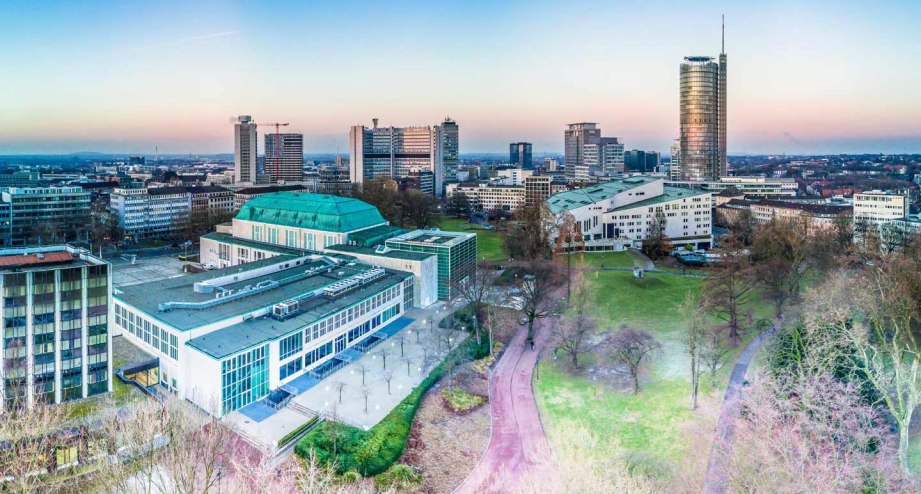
724, 163
703, 118
284, 156
245, 142
450, 148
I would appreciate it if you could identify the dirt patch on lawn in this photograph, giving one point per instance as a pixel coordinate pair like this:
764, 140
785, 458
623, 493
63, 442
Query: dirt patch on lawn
445, 446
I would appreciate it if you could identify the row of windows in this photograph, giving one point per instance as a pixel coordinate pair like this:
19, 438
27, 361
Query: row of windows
309, 239
330, 324
156, 337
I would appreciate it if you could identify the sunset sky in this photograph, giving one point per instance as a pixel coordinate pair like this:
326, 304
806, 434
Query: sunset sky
122, 77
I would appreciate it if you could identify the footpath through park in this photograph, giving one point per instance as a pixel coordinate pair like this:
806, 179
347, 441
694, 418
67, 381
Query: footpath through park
518, 443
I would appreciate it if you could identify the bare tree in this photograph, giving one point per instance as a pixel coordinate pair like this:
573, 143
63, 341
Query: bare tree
714, 350
656, 244
401, 339
727, 290
363, 369
572, 333
30, 435
475, 290
783, 245
339, 387
878, 315
569, 239
694, 341
365, 393
418, 207
387, 376
815, 435
384, 353
536, 293
633, 349
409, 362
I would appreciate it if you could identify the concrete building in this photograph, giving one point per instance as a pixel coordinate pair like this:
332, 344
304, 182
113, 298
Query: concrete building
168, 212
489, 198
55, 336
397, 153
819, 216
520, 155
36, 215
702, 114
230, 337
284, 157
537, 189
510, 176
551, 164
245, 149
877, 207
748, 186
332, 179
615, 215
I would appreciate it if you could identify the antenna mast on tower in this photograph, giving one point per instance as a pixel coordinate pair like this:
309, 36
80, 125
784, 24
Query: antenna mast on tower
723, 45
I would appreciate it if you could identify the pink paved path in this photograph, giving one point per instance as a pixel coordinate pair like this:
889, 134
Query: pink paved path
518, 442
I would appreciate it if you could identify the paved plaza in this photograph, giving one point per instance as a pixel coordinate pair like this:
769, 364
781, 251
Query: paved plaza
410, 354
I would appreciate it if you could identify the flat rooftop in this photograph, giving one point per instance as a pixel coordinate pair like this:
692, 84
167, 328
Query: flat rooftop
232, 339
389, 253
40, 258
286, 278
433, 237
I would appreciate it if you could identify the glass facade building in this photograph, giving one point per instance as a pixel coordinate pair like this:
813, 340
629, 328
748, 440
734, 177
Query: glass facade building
456, 254
56, 344
703, 119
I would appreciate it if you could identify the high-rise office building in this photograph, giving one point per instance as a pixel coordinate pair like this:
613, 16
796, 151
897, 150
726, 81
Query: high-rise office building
674, 165
245, 149
450, 148
576, 137
55, 341
284, 157
703, 118
588, 152
397, 153
519, 154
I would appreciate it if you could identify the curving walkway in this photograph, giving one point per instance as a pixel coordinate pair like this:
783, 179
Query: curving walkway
715, 480
517, 442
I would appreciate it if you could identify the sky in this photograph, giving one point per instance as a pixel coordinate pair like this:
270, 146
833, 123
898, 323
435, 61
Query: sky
126, 76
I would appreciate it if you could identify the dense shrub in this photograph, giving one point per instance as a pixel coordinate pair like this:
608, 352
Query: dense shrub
374, 451
399, 477
291, 435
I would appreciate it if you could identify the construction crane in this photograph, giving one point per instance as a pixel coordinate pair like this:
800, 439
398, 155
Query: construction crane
278, 147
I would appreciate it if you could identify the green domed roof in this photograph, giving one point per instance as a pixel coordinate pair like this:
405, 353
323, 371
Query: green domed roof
313, 211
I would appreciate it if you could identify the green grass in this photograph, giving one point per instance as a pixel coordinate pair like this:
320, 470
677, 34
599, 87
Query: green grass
598, 259
287, 438
654, 424
489, 242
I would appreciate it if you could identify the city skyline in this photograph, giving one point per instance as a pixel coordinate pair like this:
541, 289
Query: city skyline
127, 78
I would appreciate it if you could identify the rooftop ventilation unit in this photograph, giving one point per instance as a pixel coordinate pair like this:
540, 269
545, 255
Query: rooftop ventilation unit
285, 309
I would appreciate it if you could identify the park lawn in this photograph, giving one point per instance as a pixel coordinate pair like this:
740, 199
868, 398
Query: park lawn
620, 259
489, 242
656, 427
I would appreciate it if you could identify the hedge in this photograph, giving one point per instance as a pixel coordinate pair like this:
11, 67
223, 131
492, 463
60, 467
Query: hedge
374, 451
291, 435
